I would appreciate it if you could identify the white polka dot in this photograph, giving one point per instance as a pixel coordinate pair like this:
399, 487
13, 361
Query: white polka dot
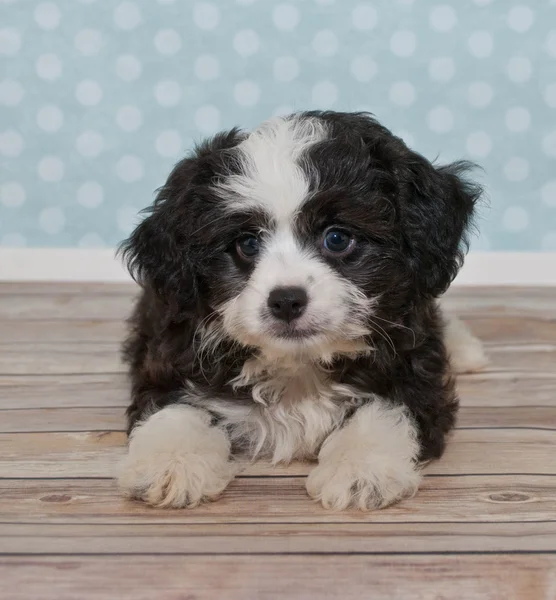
47, 15
167, 93
403, 43
11, 92
89, 144
550, 95
363, 68
478, 144
90, 194
324, 94
127, 16
13, 240
168, 143
129, 118
548, 193
128, 67
129, 168
518, 119
206, 16
515, 218
282, 110
206, 67
480, 44
549, 144
520, 18
11, 143
12, 194
127, 219
52, 220
440, 119
88, 92
51, 169
167, 42
286, 68
516, 169
285, 17
48, 66
442, 69
364, 16
402, 93
91, 240
443, 18
247, 93
10, 42
519, 69
549, 241
207, 119
88, 41
50, 118
479, 94
550, 44
246, 42
325, 43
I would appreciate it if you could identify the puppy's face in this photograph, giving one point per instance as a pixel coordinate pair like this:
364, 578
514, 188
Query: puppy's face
303, 236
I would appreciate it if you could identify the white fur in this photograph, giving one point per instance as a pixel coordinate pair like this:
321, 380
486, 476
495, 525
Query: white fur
465, 350
272, 178
369, 463
176, 459
296, 407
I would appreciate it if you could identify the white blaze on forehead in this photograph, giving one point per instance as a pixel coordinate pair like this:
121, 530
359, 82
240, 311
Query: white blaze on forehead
272, 177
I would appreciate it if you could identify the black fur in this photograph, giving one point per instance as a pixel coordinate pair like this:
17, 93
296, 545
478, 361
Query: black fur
410, 219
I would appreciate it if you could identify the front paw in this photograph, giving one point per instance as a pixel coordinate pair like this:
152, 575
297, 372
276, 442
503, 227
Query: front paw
176, 460
368, 484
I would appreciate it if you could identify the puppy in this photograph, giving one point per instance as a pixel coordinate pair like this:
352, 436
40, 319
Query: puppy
288, 311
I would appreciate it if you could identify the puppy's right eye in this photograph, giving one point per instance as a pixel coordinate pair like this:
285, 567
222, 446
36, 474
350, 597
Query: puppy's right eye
247, 247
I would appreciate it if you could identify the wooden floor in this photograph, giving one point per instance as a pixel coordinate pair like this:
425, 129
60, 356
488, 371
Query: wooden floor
483, 525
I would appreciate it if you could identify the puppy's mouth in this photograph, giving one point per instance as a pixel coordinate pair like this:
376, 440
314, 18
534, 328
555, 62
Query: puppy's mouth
293, 332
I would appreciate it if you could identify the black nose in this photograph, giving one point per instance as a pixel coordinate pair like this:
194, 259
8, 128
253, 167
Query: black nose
287, 303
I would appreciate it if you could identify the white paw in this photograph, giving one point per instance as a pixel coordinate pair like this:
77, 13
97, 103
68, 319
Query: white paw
368, 464
176, 459
465, 350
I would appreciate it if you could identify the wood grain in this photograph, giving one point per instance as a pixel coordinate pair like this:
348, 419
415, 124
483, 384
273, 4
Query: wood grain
368, 536
504, 498
483, 525
96, 454
260, 577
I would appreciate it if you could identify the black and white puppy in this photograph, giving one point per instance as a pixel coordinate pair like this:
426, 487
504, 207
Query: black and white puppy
289, 311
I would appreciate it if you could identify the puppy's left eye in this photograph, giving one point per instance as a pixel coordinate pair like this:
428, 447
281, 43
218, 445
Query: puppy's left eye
247, 247
337, 242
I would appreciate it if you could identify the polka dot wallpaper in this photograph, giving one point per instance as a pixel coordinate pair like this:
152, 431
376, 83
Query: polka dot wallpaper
98, 98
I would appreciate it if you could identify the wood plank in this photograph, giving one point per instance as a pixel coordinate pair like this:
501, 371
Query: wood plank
76, 288
65, 306
113, 418
491, 330
96, 454
296, 538
508, 499
495, 576
63, 390
70, 358
53, 332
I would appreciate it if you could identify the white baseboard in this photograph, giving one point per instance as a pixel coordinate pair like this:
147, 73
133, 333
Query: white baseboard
79, 264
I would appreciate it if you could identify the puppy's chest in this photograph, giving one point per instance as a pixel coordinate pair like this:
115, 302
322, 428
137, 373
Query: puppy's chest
291, 413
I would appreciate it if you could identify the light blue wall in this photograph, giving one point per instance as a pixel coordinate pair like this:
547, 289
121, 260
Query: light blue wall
99, 98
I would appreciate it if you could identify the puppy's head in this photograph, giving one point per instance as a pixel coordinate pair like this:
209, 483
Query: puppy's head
299, 236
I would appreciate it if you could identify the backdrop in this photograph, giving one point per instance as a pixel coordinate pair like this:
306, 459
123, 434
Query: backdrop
98, 99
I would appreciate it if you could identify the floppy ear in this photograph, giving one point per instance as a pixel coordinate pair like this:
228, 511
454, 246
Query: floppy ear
436, 214
156, 253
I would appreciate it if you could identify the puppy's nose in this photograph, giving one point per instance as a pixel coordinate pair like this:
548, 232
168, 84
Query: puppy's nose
287, 303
